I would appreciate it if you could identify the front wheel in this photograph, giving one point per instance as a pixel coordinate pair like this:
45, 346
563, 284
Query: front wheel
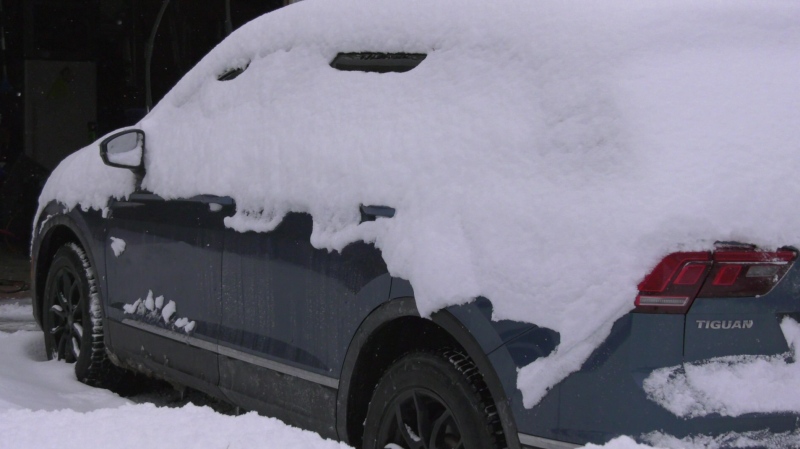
432, 401
73, 320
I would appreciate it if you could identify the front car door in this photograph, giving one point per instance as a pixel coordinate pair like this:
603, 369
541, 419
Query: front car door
163, 276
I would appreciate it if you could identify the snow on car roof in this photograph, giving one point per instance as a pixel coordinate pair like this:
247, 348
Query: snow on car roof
545, 154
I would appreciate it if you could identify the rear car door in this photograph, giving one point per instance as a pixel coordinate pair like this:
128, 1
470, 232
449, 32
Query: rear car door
288, 318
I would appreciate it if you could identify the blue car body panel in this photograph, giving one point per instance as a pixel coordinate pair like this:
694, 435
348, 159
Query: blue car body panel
277, 320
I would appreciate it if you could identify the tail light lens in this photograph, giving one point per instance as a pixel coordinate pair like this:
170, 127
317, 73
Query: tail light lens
681, 277
674, 283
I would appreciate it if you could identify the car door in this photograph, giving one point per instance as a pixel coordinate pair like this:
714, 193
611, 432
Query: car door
163, 269
288, 317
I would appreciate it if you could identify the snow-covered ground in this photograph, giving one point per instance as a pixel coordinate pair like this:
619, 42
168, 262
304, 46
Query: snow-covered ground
42, 406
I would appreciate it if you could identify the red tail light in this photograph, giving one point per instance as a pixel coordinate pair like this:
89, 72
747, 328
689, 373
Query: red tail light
681, 277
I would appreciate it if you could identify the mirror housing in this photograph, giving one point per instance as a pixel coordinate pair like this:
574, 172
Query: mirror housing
124, 149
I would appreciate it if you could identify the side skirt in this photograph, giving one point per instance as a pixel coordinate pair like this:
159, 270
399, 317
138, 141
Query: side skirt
298, 397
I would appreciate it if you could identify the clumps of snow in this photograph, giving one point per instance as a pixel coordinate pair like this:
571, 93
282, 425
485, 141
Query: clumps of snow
542, 155
44, 221
150, 302
118, 246
132, 309
754, 439
19, 310
623, 442
180, 322
185, 324
153, 311
168, 311
731, 386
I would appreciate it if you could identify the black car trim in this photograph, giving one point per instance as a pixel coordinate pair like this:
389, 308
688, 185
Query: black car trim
544, 443
397, 307
238, 355
279, 367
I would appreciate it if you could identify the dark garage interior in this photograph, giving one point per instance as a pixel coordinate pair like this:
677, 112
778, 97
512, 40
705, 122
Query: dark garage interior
74, 70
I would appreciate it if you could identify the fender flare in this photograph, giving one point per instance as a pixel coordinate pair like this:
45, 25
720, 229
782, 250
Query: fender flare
406, 307
57, 216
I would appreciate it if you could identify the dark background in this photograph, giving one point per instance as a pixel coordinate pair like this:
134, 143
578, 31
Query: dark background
74, 70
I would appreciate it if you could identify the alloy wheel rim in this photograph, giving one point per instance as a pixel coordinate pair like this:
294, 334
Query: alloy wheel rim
66, 316
419, 419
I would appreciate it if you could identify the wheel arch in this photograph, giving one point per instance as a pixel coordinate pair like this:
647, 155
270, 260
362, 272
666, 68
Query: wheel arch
50, 234
390, 331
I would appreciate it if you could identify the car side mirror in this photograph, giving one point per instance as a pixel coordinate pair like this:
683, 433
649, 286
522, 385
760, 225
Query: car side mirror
124, 149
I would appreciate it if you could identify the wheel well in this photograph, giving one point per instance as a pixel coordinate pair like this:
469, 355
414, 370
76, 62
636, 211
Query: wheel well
387, 344
53, 240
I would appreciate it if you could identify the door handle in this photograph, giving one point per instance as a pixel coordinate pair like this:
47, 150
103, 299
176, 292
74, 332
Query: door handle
370, 213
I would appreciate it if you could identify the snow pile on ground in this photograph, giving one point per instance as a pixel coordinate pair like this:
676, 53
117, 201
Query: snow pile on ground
732, 386
19, 310
29, 381
543, 155
148, 426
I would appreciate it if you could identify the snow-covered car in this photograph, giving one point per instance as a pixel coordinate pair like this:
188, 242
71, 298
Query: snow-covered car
455, 224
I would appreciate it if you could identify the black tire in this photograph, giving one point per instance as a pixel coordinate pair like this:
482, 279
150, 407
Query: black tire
427, 401
73, 316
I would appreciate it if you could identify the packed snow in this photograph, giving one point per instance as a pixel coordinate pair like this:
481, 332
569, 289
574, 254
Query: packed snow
168, 311
153, 310
543, 155
732, 386
29, 381
118, 246
16, 310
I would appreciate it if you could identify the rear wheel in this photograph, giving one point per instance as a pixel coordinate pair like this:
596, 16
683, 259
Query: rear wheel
73, 317
427, 401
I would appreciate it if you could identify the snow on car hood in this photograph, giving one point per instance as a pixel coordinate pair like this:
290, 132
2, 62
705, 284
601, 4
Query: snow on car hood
545, 155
